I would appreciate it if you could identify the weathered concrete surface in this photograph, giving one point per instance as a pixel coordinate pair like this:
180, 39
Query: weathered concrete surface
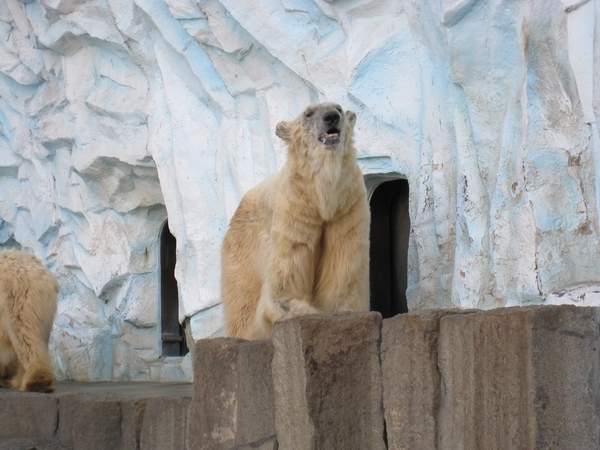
24, 414
132, 418
327, 379
233, 403
90, 416
520, 378
516, 378
266, 444
165, 423
411, 378
88, 421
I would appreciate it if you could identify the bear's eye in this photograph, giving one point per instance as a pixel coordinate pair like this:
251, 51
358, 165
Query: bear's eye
339, 108
309, 114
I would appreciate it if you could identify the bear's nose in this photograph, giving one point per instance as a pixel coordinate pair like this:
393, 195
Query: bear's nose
331, 118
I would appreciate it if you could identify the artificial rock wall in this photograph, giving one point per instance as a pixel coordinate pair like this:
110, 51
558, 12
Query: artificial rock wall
116, 114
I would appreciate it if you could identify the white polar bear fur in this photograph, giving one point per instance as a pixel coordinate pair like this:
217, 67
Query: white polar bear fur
299, 241
27, 307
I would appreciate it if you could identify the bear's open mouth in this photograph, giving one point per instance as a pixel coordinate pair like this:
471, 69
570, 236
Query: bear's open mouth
331, 137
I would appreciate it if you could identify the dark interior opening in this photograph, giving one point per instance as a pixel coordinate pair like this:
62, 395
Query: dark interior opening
172, 333
390, 228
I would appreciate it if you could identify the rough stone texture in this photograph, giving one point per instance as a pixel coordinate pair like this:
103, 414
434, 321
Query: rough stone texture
132, 417
27, 415
89, 422
267, 444
520, 378
28, 444
233, 403
327, 379
92, 416
411, 378
113, 112
516, 378
165, 423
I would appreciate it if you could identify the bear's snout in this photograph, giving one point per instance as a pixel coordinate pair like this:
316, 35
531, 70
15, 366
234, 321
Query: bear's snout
332, 118
331, 127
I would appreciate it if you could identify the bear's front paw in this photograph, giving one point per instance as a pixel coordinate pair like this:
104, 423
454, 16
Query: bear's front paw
294, 308
38, 378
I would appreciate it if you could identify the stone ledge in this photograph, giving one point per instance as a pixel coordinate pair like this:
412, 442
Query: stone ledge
28, 415
523, 377
511, 378
123, 415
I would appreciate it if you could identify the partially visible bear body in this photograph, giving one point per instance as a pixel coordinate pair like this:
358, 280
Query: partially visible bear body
299, 241
28, 294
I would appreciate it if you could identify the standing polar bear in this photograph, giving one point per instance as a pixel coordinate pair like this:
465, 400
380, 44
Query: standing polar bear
299, 241
27, 307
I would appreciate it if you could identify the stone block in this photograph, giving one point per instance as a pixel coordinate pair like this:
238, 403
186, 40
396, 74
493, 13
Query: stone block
132, 417
27, 415
411, 379
327, 379
164, 424
520, 378
233, 404
89, 422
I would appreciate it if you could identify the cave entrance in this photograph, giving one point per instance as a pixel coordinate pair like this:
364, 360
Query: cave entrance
390, 229
172, 333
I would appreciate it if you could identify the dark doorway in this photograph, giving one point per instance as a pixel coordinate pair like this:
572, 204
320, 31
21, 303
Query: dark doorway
390, 228
172, 334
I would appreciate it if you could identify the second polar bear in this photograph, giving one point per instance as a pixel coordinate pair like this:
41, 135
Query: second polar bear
28, 294
299, 241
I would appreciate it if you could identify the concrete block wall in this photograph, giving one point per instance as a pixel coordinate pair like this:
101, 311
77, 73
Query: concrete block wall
96, 416
511, 378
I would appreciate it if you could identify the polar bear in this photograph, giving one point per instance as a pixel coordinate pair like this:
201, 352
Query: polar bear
299, 241
27, 307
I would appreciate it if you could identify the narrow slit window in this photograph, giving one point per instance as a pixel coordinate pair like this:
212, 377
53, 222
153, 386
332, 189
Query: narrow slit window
390, 228
172, 333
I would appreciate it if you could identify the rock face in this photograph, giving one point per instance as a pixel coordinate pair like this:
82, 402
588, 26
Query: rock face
117, 114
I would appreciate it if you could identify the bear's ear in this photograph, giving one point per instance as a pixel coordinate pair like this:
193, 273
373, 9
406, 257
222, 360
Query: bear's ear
283, 131
351, 117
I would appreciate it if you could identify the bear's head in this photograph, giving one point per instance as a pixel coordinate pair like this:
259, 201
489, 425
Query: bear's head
324, 125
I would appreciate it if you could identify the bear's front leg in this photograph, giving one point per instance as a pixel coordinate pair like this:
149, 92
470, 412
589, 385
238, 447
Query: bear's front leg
342, 275
287, 289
